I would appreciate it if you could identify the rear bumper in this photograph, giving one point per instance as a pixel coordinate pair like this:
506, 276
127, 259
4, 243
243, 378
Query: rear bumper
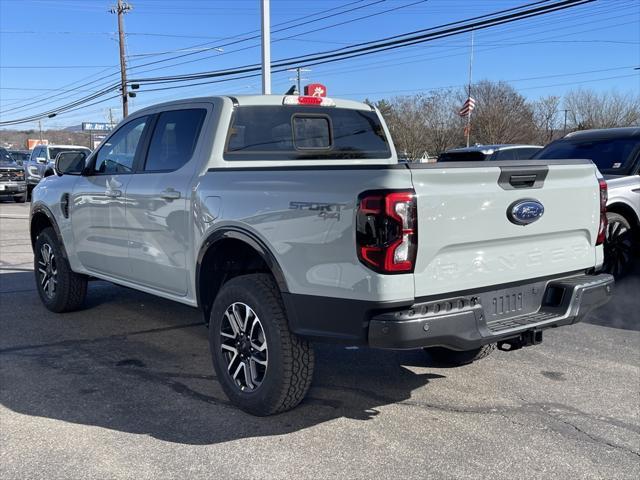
464, 323
461, 322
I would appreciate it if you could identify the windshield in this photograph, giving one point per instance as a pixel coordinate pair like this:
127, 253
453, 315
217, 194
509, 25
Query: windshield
5, 158
473, 156
53, 152
612, 156
20, 156
298, 133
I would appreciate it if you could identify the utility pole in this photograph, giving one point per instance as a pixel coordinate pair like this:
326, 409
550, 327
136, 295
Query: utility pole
120, 9
298, 78
564, 130
110, 116
266, 48
40, 128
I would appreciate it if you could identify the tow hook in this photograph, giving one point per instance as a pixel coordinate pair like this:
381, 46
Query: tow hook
525, 339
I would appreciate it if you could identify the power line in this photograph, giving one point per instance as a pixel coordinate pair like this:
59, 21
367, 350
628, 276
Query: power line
397, 41
321, 12
372, 47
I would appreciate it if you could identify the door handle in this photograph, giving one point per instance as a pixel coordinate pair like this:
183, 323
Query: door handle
170, 194
113, 193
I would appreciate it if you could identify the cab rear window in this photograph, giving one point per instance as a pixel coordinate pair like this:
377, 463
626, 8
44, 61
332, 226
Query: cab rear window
298, 133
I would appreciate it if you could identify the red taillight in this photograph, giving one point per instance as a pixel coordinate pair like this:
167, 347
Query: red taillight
387, 234
604, 197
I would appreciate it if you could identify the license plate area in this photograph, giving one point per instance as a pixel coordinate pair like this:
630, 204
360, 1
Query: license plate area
506, 303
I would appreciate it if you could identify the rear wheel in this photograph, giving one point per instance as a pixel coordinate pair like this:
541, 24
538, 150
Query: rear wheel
20, 198
263, 368
455, 358
618, 246
60, 289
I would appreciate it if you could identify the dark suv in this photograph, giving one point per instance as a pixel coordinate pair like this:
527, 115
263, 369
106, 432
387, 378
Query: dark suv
616, 153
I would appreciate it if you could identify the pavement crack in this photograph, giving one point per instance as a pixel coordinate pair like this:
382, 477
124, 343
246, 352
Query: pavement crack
595, 439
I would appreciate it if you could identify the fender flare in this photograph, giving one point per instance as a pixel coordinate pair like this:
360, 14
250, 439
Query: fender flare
40, 208
252, 240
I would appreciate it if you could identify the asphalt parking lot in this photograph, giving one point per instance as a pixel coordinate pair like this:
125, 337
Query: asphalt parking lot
125, 389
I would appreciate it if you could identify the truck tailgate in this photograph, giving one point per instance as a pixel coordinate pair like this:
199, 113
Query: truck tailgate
466, 240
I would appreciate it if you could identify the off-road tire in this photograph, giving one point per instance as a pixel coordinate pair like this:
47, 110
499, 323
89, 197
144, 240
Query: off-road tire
290, 358
454, 358
71, 288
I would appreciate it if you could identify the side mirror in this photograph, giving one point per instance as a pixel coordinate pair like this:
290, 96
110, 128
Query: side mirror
70, 163
42, 160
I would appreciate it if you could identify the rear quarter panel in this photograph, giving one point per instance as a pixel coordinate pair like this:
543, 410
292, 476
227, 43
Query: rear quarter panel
306, 216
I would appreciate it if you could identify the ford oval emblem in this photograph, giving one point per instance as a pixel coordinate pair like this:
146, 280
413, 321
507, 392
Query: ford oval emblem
524, 212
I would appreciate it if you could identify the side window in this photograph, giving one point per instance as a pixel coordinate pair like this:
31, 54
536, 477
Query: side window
174, 139
118, 153
508, 154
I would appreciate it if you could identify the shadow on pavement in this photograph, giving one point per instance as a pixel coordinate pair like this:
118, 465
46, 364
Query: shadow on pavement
139, 364
623, 311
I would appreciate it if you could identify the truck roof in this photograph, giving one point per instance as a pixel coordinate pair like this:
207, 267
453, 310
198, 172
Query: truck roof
491, 148
258, 100
58, 145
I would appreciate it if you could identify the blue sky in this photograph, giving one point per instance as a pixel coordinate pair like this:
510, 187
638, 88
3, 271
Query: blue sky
592, 46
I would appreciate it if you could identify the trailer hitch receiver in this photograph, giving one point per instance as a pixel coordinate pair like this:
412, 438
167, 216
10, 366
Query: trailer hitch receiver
525, 339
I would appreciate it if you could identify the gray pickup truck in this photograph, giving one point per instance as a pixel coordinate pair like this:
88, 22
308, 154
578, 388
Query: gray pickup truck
288, 220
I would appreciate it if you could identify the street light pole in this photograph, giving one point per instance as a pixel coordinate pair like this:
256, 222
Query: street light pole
266, 48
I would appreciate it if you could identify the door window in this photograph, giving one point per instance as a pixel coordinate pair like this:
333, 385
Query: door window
119, 152
174, 139
507, 154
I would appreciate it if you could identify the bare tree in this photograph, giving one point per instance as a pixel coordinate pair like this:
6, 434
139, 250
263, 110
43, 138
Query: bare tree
546, 113
589, 109
404, 118
501, 115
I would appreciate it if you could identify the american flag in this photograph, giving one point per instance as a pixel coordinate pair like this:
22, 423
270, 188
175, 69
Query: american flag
468, 106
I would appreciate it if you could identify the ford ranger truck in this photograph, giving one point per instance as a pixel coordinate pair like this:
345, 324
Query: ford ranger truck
288, 220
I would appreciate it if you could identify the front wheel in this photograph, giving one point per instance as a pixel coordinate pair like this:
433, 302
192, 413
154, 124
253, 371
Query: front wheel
618, 245
455, 358
60, 289
262, 366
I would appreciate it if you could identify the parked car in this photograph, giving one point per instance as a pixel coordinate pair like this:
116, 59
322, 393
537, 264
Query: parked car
42, 160
12, 179
616, 153
20, 156
489, 152
288, 220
